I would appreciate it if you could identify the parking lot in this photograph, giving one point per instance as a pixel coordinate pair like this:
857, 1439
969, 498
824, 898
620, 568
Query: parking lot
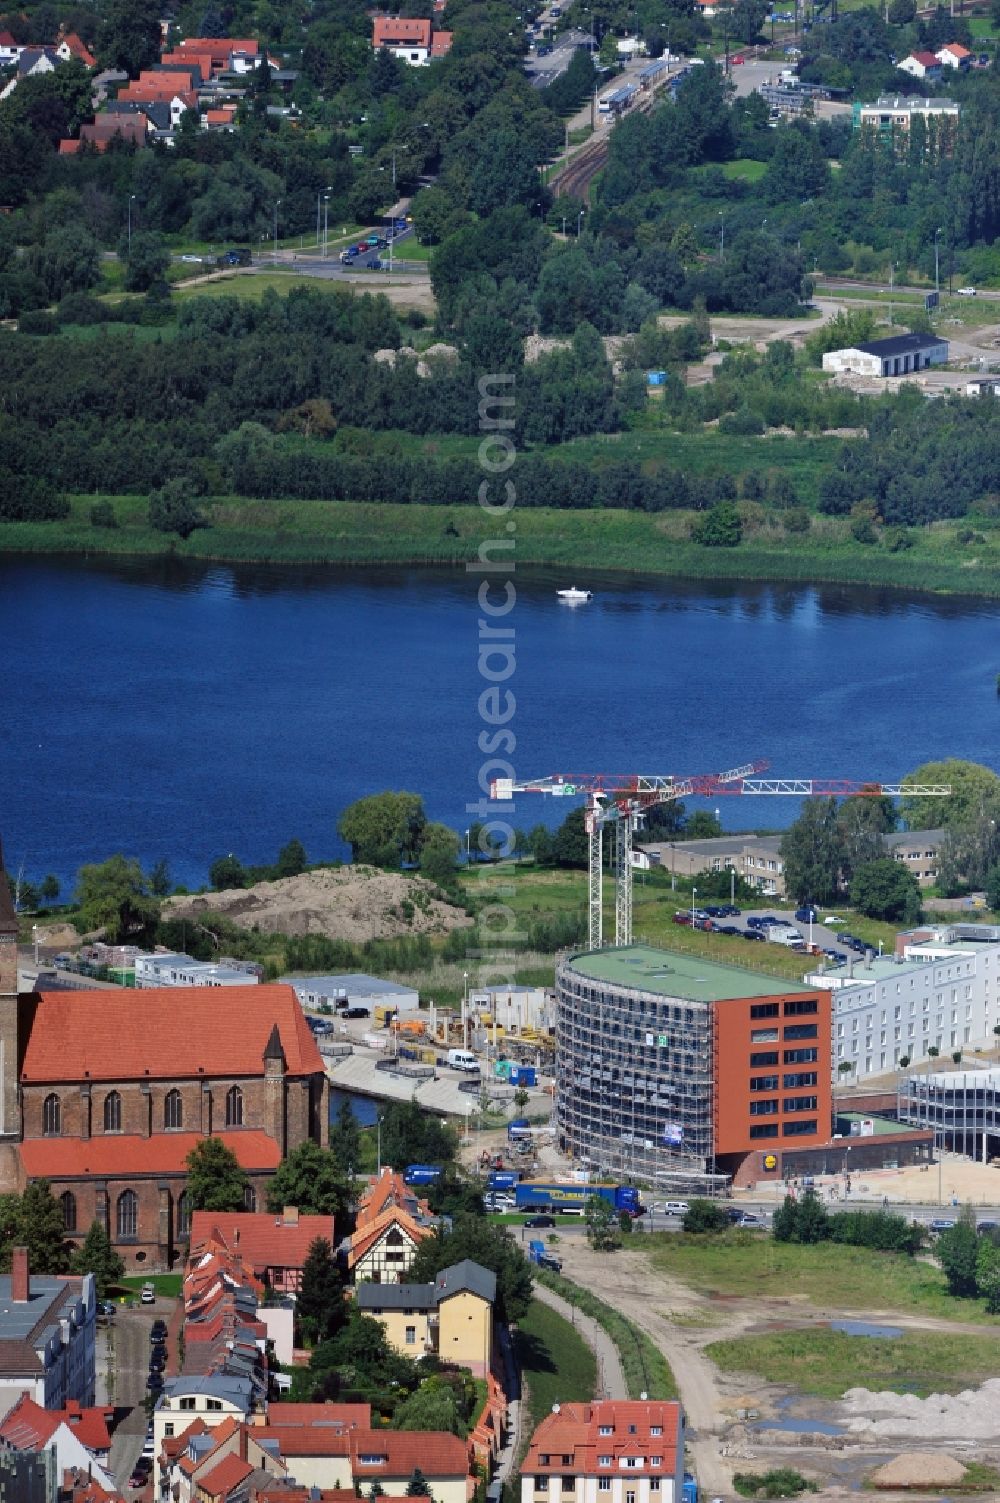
824, 936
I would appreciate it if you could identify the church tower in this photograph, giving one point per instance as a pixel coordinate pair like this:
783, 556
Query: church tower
10, 1115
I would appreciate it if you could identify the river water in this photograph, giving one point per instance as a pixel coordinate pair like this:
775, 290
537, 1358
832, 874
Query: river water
182, 711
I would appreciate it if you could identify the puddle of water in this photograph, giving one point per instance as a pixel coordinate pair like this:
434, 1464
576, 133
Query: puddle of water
865, 1328
801, 1426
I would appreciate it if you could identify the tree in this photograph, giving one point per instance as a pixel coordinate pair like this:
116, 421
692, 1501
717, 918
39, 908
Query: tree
129, 37
113, 895
171, 509
312, 1179
885, 889
50, 888
803, 1221
291, 859
603, 1232
432, 1407
345, 1138
160, 881
97, 1256
65, 261
993, 887
417, 1486
957, 1251
439, 855
216, 1182
988, 1274
810, 851
862, 824
491, 1246
704, 1216
702, 826
974, 797
384, 829
748, 18
411, 1135
40, 1228
720, 527
570, 844
146, 259
227, 871
319, 1304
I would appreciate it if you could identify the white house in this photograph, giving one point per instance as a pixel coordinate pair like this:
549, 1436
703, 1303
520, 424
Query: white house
616, 1451
212, 1400
954, 55
921, 65
901, 355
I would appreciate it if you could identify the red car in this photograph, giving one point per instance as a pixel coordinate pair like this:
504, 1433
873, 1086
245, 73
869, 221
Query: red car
682, 918
736, 59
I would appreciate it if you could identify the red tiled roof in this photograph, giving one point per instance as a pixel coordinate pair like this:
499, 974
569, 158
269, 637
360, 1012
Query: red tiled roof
69, 148
79, 1488
288, 1415
306, 1440
215, 45
435, 1452
574, 1431
401, 31
221, 1480
365, 1238
80, 49
926, 59
114, 1157
29, 1427
90, 1426
7, 40
956, 49
261, 1240
441, 45
166, 1033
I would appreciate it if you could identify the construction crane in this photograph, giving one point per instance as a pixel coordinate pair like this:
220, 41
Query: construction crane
620, 802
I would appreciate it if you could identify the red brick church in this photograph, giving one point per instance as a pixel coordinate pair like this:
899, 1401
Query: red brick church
105, 1093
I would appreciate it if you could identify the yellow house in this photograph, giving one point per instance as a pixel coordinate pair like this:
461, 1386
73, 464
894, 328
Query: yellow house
453, 1317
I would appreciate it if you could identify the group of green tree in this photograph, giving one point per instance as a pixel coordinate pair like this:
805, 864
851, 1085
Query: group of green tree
970, 1261
835, 847
805, 1219
34, 1219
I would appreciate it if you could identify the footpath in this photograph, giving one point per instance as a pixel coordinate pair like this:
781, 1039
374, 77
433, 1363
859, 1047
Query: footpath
610, 1377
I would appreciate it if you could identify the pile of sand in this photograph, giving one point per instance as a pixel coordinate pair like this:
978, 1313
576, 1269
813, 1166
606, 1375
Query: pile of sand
970, 1416
920, 1469
354, 903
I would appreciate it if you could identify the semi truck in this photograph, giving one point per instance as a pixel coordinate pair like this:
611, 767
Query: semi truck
535, 1196
421, 1174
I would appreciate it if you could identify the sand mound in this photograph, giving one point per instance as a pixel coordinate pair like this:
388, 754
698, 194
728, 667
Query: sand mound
355, 903
921, 1469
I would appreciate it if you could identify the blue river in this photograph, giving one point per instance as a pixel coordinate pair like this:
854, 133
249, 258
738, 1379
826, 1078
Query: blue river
184, 712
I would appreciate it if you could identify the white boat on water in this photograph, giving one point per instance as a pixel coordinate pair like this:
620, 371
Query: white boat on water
575, 596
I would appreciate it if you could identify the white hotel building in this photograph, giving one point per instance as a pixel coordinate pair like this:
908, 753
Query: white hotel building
942, 992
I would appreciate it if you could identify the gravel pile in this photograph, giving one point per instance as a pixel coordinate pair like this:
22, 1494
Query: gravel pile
921, 1469
970, 1416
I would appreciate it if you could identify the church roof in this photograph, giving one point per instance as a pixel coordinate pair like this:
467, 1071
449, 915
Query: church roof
121, 1156
166, 1033
273, 1049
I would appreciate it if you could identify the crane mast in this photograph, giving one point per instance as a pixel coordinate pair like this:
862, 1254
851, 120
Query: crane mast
621, 801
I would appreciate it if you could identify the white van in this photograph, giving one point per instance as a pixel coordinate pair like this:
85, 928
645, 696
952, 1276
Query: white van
463, 1059
790, 938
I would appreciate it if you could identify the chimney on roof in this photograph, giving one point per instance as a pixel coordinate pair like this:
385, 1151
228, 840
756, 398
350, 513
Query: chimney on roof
290, 1215
20, 1277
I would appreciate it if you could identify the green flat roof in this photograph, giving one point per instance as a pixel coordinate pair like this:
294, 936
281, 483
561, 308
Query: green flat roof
881, 1126
670, 974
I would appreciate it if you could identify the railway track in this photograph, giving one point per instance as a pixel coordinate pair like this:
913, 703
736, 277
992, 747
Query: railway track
576, 177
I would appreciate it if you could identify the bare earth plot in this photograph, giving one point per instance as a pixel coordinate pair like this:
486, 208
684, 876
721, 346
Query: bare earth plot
838, 1441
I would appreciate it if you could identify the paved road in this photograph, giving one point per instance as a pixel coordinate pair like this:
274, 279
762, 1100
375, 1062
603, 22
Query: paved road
130, 1358
545, 70
610, 1377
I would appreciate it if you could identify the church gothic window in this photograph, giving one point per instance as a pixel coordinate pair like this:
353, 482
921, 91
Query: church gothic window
51, 1116
128, 1214
173, 1110
112, 1112
234, 1107
67, 1202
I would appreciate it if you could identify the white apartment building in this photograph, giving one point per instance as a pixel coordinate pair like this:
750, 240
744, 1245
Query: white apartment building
941, 993
183, 970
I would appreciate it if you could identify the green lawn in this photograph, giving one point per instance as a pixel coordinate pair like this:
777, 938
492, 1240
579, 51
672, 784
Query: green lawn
827, 1363
849, 1278
645, 1367
744, 168
167, 1285
556, 1363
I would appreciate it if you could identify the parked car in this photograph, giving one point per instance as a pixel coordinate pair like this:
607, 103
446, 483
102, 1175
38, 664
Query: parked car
728, 929
682, 918
736, 59
546, 1260
540, 1221
807, 915
984, 1227
729, 910
966, 291
158, 1330
148, 1294
154, 1382
374, 264
941, 1224
671, 1207
757, 934
140, 1473
357, 1012
747, 1218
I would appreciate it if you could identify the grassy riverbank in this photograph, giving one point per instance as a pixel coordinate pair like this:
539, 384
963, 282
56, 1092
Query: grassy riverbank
367, 533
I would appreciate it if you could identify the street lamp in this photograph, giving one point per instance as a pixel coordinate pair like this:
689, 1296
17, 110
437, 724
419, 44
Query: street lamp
326, 224
131, 201
277, 205
694, 894
722, 238
937, 262
579, 221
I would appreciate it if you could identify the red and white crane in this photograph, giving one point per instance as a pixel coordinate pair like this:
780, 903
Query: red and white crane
620, 801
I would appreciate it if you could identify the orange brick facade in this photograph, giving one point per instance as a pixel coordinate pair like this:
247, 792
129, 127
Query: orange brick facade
771, 1068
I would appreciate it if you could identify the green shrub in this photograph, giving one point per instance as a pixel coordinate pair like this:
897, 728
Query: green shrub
37, 321
780, 1482
705, 1216
102, 514
721, 527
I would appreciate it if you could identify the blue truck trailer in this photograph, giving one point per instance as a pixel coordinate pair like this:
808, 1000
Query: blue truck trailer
421, 1174
503, 1179
533, 1196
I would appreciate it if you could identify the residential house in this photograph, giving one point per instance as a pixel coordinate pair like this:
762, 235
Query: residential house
223, 118
217, 1465
72, 46
32, 62
451, 1317
213, 1400
47, 1337
922, 65
954, 55
9, 50
104, 129
408, 38
390, 1224
623, 1451
273, 1247
118, 1087
328, 1455
78, 1437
